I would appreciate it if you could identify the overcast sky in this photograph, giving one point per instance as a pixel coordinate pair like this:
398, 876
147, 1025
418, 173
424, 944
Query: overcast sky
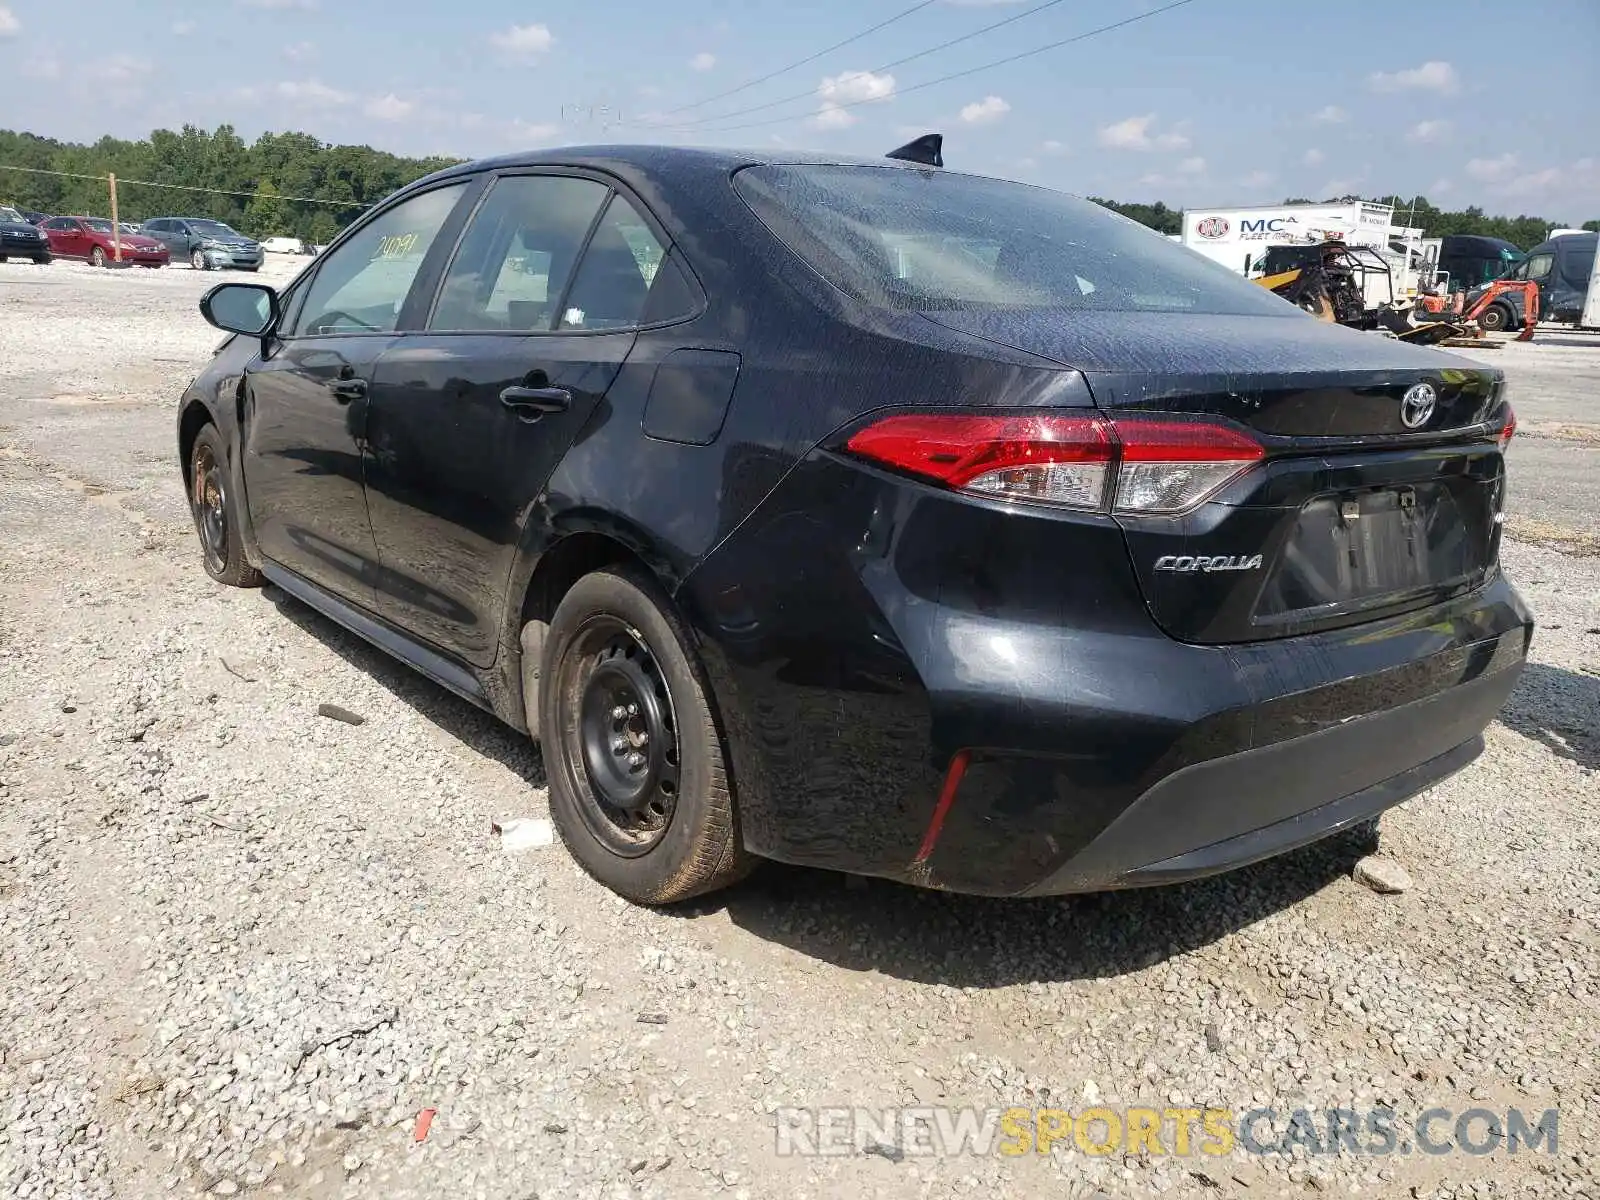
1218, 102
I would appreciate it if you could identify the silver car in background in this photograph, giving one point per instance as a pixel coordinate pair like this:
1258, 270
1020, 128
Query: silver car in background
207, 245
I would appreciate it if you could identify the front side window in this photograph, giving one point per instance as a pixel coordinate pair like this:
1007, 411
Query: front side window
1538, 266
361, 286
513, 264
930, 240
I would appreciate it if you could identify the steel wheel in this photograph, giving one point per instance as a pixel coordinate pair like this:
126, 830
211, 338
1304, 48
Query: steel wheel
209, 500
624, 738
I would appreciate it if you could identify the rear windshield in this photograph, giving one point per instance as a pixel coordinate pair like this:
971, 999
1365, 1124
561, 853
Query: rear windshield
929, 240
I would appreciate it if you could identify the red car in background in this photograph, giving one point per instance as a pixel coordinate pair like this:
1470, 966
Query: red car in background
90, 238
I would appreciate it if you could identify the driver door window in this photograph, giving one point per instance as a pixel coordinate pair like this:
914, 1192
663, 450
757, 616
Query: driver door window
1538, 267
363, 284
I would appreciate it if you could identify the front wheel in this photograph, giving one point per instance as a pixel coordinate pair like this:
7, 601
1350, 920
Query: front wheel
638, 772
214, 517
197, 260
97, 257
1495, 318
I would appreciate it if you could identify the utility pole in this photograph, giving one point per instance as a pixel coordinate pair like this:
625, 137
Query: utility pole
116, 226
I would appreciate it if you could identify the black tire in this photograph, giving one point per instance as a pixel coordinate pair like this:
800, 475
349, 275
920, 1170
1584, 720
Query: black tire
617, 640
215, 520
1495, 318
42, 260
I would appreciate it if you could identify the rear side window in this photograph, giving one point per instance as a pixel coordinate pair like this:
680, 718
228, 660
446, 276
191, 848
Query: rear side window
514, 262
909, 239
619, 268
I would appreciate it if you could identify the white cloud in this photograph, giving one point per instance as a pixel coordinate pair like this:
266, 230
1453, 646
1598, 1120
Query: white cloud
122, 69
1492, 170
529, 133
388, 108
981, 112
1440, 187
1134, 133
310, 91
183, 28
9, 25
1531, 183
1053, 147
848, 88
1432, 76
1330, 115
1192, 166
703, 61
1428, 131
1257, 179
831, 116
279, 5
1313, 157
43, 66
853, 87
524, 40
300, 51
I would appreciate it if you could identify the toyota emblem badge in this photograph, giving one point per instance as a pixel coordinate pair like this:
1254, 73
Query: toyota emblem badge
1416, 408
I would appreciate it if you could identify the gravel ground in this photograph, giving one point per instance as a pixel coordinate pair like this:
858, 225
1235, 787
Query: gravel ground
243, 946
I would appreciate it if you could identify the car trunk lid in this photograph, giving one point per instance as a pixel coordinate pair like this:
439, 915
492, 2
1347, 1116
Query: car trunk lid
1379, 489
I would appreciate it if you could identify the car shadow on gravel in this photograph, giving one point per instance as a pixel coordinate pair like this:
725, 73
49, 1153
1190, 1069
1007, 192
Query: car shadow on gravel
1558, 709
466, 722
967, 941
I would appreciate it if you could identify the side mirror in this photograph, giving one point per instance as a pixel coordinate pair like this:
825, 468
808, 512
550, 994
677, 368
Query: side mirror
247, 308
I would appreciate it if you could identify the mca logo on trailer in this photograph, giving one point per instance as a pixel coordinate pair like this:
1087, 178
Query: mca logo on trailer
1212, 227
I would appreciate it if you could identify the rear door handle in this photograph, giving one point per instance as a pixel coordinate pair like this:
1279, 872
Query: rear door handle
531, 403
346, 390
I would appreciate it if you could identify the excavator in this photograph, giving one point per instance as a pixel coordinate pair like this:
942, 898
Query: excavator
1328, 280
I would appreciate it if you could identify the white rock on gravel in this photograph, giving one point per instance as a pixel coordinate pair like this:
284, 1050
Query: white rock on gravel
1382, 875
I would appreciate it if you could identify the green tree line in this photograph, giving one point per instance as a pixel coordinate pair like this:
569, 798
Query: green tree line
267, 171
1524, 231
277, 166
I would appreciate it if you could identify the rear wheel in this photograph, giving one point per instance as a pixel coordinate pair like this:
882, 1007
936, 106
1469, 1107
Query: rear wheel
1495, 318
215, 520
638, 772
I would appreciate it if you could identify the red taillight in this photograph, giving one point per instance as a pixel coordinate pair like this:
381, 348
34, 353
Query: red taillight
1153, 466
1509, 428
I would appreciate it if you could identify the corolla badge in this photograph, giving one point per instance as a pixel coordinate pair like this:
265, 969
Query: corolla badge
1209, 562
1417, 406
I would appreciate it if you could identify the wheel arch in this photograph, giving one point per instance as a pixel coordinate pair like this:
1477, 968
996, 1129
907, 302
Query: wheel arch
591, 542
195, 417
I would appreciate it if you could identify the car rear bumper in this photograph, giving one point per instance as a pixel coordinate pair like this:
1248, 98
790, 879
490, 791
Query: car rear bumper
910, 691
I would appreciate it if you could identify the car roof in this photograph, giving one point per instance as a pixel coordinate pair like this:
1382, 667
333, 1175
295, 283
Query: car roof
656, 160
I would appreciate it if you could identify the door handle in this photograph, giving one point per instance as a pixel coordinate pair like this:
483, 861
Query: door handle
346, 390
531, 403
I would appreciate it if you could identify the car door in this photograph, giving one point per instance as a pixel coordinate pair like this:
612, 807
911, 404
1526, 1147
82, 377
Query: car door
469, 419
67, 238
161, 230
305, 397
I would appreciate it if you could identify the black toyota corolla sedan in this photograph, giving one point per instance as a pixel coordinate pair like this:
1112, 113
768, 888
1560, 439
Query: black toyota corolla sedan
871, 516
